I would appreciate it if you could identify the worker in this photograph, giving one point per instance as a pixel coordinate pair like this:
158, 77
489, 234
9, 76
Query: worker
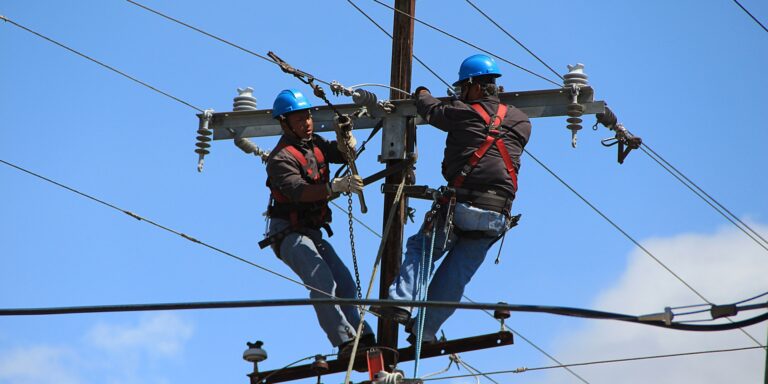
297, 175
481, 160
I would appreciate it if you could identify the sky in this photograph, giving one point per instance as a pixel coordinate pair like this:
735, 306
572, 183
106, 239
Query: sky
686, 76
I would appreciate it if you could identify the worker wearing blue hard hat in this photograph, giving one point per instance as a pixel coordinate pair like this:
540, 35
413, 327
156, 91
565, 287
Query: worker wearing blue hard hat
485, 139
298, 178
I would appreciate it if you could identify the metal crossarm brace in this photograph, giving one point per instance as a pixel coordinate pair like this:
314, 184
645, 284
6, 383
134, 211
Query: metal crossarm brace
259, 123
405, 354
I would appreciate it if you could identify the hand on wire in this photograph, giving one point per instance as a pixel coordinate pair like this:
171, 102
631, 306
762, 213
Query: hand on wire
347, 144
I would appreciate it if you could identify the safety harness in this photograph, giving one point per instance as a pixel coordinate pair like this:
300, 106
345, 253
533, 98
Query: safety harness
493, 136
300, 215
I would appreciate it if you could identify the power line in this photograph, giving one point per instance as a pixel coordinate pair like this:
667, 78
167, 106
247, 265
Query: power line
543, 309
225, 41
518, 334
352, 3
587, 201
531, 343
467, 42
148, 221
513, 38
750, 15
722, 210
628, 236
113, 69
523, 369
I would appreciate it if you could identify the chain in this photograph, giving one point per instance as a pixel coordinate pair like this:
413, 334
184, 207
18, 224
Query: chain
350, 217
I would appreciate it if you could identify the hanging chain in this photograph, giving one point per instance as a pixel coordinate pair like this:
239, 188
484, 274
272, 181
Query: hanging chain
350, 217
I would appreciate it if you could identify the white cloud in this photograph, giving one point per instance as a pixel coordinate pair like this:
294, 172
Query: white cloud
37, 365
724, 267
159, 335
131, 351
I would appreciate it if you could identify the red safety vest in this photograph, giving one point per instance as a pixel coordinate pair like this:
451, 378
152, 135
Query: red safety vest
312, 177
491, 138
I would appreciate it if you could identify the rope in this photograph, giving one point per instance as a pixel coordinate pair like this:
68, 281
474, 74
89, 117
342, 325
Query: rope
518, 334
423, 290
387, 227
109, 67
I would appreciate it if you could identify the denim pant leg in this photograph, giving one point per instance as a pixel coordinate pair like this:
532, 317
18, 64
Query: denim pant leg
405, 286
299, 252
466, 254
451, 277
345, 286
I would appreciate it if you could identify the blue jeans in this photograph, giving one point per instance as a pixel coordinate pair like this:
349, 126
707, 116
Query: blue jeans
317, 265
464, 255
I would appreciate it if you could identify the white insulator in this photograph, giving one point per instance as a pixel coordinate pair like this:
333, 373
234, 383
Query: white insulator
255, 353
575, 76
245, 100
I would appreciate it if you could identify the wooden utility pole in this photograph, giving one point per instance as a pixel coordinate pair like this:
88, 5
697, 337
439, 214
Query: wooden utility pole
402, 60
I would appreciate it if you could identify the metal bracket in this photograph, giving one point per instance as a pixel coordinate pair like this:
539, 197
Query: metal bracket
440, 348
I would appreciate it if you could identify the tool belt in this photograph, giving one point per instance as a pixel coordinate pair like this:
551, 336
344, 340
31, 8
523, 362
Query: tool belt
301, 216
277, 237
490, 200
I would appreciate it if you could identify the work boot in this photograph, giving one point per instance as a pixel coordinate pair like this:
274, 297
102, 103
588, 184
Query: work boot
396, 314
345, 348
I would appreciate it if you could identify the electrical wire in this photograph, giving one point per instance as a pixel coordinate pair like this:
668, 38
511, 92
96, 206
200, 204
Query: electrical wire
543, 309
531, 343
701, 194
523, 369
111, 68
380, 85
352, 3
167, 229
750, 15
627, 235
467, 42
513, 38
225, 41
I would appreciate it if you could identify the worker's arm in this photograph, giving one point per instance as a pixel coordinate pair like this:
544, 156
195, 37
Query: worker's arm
442, 115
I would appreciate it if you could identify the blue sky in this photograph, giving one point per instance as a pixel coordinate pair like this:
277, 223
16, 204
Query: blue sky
686, 76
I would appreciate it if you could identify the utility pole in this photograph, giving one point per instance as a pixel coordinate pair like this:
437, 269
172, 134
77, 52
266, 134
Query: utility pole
402, 61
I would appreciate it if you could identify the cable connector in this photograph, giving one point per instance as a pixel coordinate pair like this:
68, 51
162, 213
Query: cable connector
665, 316
3, 18
718, 311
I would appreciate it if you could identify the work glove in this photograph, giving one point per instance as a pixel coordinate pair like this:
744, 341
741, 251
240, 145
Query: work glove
346, 184
418, 90
349, 143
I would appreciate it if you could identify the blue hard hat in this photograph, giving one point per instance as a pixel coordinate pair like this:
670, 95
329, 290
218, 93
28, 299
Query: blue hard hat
477, 65
289, 100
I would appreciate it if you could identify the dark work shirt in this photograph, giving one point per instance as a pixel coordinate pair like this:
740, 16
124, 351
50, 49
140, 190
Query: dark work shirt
285, 171
467, 132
